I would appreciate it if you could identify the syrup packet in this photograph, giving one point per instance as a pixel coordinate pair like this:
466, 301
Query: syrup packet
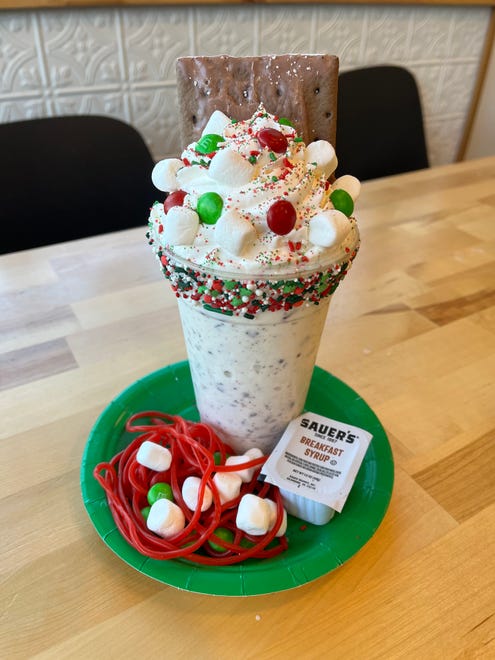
315, 464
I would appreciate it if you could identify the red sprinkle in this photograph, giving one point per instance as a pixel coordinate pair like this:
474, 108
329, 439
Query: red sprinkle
217, 285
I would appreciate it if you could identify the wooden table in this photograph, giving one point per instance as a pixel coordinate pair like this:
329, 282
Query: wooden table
412, 329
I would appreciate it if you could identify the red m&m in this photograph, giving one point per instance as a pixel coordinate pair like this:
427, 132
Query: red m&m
281, 217
175, 198
272, 139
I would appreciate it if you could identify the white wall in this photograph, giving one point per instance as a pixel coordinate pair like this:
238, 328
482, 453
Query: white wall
482, 140
120, 61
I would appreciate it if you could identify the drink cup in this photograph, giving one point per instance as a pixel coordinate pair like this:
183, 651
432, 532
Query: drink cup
251, 371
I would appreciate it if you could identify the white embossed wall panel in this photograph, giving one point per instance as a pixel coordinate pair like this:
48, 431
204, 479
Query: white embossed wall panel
121, 61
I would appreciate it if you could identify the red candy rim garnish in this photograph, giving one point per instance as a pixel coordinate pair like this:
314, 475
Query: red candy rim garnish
193, 445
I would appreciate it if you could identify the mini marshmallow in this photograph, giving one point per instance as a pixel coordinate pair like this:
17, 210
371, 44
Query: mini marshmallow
166, 518
253, 453
216, 123
273, 518
322, 153
253, 515
234, 233
164, 174
247, 473
328, 228
228, 485
154, 456
180, 226
190, 492
348, 183
230, 168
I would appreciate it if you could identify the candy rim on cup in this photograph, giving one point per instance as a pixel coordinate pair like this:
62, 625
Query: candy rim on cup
248, 294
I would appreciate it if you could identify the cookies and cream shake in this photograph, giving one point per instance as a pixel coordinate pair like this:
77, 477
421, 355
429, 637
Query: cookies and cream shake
254, 237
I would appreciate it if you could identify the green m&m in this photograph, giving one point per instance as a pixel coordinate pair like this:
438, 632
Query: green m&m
224, 534
209, 207
160, 491
342, 201
208, 143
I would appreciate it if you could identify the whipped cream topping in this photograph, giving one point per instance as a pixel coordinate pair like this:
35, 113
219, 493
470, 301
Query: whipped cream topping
229, 217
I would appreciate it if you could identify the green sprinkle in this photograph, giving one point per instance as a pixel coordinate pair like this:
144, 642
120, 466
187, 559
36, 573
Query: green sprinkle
274, 179
202, 289
290, 286
244, 292
285, 122
227, 312
272, 156
252, 160
298, 139
236, 301
230, 284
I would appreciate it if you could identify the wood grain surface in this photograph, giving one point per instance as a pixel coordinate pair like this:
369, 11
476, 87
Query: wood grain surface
412, 329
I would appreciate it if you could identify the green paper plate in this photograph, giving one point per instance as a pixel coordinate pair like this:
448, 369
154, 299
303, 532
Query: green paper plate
313, 550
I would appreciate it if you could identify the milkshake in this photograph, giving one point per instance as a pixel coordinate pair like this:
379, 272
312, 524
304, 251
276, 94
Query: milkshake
254, 239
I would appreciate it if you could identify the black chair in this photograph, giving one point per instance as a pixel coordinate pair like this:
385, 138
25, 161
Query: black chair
379, 123
63, 178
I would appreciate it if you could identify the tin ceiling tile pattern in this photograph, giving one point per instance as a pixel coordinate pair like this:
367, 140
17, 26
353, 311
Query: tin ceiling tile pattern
121, 61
